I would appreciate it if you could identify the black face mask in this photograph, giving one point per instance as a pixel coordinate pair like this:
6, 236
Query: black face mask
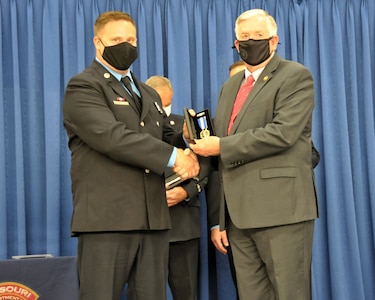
120, 56
254, 52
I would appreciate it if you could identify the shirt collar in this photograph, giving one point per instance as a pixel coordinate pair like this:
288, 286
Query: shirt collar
256, 73
118, 76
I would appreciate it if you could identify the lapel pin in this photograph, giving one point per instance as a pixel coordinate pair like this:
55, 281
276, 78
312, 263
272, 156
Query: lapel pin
265, 78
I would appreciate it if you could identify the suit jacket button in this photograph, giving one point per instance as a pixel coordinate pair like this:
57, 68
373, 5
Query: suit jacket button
147, 171
142, 124
157, 123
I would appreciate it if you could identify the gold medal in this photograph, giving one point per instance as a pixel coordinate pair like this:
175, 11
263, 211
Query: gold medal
205, 133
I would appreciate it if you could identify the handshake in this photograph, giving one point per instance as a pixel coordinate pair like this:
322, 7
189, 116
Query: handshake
186, 165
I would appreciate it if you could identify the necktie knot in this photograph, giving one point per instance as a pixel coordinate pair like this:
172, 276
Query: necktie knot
249, 81
125, 80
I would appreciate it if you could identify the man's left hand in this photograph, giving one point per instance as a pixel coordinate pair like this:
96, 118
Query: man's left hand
176, 195
208, 146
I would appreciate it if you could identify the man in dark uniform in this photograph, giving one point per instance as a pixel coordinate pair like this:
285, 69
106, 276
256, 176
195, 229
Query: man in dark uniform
118, 137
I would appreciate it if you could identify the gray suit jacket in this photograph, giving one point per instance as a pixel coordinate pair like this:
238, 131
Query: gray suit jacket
265, 162
118, 156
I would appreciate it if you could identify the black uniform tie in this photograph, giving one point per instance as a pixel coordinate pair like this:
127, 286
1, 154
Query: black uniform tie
137, 101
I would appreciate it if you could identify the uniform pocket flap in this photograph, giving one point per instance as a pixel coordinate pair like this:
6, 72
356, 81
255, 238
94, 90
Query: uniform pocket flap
278, 172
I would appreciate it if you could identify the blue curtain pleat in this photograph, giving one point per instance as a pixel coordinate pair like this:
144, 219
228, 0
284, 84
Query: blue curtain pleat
367, 125
51, 48
179, 53
295, 29
357, 155
220, 41
196, 27
3, 178
140, 66
33, 128
3, 169
151, 48
45, 43
17, 98
363, 136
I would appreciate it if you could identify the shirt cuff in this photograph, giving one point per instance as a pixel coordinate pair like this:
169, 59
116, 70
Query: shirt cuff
172, 158
186, 142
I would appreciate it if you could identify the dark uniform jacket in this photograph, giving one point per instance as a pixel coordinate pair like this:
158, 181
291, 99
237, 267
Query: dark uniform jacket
118, 155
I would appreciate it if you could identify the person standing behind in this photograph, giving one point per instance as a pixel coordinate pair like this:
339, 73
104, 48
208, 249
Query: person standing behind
117, 135
183, 203
236, 67
269, 202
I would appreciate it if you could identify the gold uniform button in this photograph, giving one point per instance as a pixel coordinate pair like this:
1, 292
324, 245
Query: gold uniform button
142, 124
157, 123
147, 171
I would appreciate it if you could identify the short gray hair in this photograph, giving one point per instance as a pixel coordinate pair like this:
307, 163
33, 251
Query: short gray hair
159, 82
271, 23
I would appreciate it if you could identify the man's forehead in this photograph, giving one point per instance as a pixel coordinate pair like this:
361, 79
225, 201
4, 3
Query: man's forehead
255, 22
118, 25
253, 25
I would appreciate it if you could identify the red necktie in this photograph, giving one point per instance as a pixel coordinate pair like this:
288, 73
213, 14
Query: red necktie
240, 99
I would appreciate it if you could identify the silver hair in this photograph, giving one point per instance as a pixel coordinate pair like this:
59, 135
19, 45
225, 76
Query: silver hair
270, 21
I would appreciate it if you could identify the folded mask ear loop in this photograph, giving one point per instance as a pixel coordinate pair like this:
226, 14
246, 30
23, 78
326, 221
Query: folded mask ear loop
103, 45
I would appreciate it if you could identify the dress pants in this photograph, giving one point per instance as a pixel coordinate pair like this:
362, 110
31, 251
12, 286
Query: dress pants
273, 262
107, 261
232, 269
183, 269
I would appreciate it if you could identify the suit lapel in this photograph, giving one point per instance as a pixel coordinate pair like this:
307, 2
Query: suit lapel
229, 102
116, 85
261, 83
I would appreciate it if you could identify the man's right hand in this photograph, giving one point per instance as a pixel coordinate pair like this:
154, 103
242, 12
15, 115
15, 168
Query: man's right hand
220, 240
186, 165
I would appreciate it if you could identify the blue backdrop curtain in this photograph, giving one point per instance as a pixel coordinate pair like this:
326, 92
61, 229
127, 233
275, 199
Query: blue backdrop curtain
44, 43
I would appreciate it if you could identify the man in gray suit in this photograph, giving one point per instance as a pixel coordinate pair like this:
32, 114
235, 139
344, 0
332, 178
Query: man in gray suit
234, 68
118, 134
184, 204
268, 200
